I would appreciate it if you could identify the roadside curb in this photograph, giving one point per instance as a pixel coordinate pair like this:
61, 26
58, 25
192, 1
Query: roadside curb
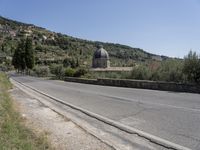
131, 130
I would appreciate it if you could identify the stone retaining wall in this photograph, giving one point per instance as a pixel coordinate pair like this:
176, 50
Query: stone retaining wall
80, 80
142, 84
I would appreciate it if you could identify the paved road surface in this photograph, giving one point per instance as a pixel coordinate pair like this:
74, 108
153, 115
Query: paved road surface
169, 115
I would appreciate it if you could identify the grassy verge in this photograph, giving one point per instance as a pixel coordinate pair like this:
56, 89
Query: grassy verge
13, 134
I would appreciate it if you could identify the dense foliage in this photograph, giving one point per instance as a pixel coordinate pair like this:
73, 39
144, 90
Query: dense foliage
192, 67
41, 71
51, 47
171, 70
23, 58
62, 55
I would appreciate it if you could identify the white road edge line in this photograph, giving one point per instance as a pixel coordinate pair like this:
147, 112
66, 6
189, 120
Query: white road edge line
131, 130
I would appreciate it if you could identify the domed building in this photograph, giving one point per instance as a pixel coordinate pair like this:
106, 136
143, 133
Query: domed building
100, 58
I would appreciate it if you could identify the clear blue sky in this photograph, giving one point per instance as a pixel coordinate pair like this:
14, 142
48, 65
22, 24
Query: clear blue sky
167, 27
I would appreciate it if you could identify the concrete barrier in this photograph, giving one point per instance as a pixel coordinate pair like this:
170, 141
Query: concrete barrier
142, 84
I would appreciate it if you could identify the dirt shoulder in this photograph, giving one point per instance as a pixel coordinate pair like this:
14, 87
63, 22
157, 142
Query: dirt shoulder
13, 133
61, 132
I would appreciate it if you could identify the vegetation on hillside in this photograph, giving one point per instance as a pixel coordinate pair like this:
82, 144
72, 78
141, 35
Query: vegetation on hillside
59, 55
192, 67
51, 47
171, 70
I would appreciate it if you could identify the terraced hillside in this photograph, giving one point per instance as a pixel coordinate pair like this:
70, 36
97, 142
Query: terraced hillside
54, 47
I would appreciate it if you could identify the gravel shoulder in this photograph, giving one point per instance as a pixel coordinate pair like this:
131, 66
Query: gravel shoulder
60, 131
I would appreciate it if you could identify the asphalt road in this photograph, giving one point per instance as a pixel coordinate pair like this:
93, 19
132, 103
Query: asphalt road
170, 115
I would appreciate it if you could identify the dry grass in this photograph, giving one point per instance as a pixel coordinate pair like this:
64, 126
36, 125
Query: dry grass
13, 134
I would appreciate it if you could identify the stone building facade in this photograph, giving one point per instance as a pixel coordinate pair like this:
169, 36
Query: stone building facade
100, 58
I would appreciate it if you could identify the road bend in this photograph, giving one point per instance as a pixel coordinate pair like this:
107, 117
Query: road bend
169, 115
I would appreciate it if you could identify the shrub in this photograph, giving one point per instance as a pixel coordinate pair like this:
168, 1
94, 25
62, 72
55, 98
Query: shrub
67, 62
3, 67
141, 73
192, 67
42, 71
80, 72
70, 62
69, 72
52, 68
169, 70
57, 70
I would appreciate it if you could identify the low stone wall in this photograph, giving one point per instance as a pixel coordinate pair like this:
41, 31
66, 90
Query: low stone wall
80, 80
112, 69
164, 86
142, 84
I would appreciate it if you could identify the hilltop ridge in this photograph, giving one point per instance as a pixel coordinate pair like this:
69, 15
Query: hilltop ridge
54, 47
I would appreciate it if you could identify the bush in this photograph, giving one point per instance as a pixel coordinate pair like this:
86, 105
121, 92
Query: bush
5, 67
42, 71
52, 68
80, 72
69, 72
58, 70
192, 67
70, 62
141, 73
67, 62
170, 70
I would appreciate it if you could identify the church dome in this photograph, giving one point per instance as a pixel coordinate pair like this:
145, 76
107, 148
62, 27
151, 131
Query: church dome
101, 53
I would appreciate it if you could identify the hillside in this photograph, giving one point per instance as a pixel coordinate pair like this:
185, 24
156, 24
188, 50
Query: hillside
53, 47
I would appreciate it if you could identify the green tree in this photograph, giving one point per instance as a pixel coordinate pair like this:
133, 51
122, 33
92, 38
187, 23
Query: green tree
71, 62
22, 60
15, 60
23, 57
169, 70
58, 70
18, 60
80, 72
3, 48
29, 54
77, 63
141, 72
69, 72
67, 62
41, 71
192, 67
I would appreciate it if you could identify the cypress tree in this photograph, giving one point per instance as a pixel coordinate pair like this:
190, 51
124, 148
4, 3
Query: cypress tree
16, 57
2, 48
22, 60
29, 54
19, 57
